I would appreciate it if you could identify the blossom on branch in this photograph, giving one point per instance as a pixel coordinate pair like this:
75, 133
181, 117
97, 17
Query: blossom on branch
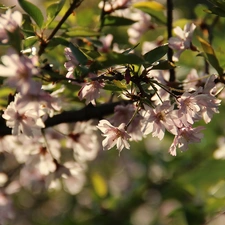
114, 135
24, 120
19, 70
90, 91
183, 40
185, 136
9, 22
71, 64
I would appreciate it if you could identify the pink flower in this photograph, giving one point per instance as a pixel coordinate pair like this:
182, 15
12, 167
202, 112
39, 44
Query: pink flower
209, 105
157, 120
9, 22
71, 64
18, 70
106, 43
22, 120
90, 91
84, 141
183, 40
123, 114
114, 135
188, 108
185, 136
139, 28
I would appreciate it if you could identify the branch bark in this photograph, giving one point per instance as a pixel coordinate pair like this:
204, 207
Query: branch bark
84, 114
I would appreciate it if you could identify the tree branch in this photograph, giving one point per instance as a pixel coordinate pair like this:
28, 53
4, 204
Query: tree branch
84, 114
169, 34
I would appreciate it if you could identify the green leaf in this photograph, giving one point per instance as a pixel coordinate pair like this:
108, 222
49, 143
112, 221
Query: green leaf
15, 39
30, 41
81, 32
163, 65
4, 7
53, 10
130, 49
32, 10
78, 54
156, 54
211, 56
112, 87
152, 8
120, 84
54, 23
27, 27
117, 21
218, 8
58, 41
114, 58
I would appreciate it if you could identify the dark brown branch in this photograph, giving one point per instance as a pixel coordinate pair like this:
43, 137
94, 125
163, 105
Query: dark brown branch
84, 114
169, 35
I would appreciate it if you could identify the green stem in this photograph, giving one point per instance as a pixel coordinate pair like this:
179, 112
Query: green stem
45, 43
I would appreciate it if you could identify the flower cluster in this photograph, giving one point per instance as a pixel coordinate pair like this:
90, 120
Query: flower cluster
131, 95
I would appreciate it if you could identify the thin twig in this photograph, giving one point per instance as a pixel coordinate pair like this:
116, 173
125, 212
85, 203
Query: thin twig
169, 35
44, 43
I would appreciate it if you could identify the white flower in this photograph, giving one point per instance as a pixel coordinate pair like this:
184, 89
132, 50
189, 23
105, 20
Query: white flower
84, 141
183, 40
22, 120
9, 22
90, 91
114, 135
18, 70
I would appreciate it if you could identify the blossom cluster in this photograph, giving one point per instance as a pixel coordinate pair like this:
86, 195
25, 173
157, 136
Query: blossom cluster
150, 103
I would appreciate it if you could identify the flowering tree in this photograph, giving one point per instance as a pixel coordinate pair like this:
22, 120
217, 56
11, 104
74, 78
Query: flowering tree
64, 84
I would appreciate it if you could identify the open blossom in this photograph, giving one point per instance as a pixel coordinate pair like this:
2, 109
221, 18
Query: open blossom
71, 64
90, 91
183, 40
106, 43
139, 28
84, 141
188, 108
21, 119
18, 70
157, 120
209, 105
9, 22
123, 114
185, 136
114, 135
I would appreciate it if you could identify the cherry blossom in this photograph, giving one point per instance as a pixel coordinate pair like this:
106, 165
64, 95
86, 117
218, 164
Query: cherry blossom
84, 141
113, 135
90, 91
9, 22
23, 120
106, 43
18, 70
185, 136
157, 120
188, 107
183, 40
139, 28
71, 64
123, 114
